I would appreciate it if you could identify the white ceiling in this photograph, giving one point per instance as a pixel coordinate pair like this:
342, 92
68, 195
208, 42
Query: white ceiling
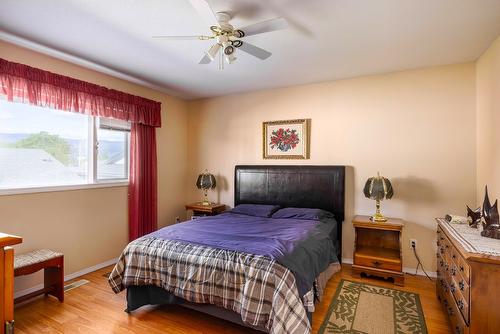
327, 40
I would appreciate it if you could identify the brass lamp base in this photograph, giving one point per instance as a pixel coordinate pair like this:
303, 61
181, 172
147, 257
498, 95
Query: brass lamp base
205, 201
378, 217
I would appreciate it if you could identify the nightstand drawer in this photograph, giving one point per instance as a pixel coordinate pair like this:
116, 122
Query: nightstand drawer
367, 261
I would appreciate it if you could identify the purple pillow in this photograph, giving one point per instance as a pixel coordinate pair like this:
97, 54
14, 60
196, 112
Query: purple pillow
256, 210
302, 213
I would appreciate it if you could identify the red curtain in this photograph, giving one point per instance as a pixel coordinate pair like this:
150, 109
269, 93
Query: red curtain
22, 83
143, 176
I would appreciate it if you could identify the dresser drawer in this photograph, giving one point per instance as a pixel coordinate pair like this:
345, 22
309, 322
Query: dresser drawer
370, 262
461, 283
463, 268
461, 302
458, 324
449, 252
447, 300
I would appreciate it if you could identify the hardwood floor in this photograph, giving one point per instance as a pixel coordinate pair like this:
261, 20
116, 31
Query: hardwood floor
94, 308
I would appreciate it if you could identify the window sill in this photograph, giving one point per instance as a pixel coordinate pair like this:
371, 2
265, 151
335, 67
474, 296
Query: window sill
18, 191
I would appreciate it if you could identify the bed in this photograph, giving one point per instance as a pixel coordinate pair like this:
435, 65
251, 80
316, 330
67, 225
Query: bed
216, 264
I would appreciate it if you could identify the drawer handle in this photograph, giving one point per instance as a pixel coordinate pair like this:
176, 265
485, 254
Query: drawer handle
376, 263
461, 285
452, 288
453, 256
441, 250
461, 268
453, 271
460, 305
457, 330
450, 311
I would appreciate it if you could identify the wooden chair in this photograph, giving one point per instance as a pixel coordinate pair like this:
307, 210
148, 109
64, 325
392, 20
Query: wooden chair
53, 265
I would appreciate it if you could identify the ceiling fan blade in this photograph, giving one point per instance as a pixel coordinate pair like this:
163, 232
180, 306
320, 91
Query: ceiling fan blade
282, 8
213, 51
205, 60
255, 51
265, 26
205, 11
181, 38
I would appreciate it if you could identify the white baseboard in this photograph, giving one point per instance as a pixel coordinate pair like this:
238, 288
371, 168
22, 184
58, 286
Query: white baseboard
408, 270
68, 277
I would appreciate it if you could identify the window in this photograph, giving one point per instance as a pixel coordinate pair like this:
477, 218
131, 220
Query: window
42, 147
113, 139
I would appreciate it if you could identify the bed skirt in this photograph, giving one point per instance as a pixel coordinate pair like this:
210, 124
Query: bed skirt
138, 296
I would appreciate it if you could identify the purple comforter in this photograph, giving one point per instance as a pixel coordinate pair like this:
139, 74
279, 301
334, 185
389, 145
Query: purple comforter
305, 247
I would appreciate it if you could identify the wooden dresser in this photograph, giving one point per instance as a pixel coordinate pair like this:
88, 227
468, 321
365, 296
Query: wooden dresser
468, 278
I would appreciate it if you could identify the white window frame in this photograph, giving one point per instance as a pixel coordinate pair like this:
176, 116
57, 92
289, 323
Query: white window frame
92, 181
95, 147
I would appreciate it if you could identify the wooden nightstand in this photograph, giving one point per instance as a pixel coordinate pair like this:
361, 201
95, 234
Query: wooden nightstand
206, 210
377, 248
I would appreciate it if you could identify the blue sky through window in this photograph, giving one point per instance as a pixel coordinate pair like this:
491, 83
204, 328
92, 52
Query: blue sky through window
25, 118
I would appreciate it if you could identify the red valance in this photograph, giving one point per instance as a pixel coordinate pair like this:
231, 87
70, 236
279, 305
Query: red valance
27, 84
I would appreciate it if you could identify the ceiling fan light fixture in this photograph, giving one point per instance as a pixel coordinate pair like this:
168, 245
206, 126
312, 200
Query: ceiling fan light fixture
238, 33
236, 43
230, 58
228, 50
215, 29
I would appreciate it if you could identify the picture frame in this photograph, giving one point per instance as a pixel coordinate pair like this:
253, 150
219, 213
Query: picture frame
286, 139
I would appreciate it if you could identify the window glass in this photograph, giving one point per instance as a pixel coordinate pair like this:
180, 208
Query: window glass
42, 147
112, 154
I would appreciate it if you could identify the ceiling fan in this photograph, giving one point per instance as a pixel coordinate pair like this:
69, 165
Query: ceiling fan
226, 37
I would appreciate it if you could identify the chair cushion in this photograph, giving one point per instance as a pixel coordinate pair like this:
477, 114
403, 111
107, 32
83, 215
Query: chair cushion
36, 256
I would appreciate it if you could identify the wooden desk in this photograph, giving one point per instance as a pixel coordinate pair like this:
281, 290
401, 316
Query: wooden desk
7, 282
377, 249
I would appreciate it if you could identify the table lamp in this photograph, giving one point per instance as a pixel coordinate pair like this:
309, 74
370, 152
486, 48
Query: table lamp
378, 188
206, 181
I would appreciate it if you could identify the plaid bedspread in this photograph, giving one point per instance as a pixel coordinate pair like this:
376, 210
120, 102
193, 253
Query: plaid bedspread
261, 290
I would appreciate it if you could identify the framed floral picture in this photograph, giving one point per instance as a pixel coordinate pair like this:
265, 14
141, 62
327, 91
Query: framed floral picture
286, 139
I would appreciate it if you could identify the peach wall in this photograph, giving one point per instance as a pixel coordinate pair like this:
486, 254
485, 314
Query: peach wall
405, 125
90, 226
415, 127
488, 122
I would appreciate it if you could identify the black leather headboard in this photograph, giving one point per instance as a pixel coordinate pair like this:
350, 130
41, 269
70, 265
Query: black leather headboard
319, 187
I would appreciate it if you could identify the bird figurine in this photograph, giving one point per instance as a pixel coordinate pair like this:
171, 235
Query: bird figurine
474, 217
491, 225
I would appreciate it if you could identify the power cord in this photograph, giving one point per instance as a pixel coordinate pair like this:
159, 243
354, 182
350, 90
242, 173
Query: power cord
419, 263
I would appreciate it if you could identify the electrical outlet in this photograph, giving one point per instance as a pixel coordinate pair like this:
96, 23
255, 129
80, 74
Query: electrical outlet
413, 243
